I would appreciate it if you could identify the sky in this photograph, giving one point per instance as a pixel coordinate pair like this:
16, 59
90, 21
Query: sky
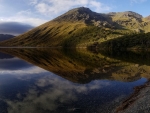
23, 15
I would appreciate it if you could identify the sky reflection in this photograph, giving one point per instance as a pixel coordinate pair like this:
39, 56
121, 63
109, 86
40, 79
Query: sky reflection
46, 92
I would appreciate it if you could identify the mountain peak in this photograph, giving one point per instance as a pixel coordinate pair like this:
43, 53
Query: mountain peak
133, 14
76, 14
83, 14
80, 9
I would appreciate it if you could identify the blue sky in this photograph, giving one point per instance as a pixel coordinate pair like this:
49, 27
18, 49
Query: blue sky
37, 12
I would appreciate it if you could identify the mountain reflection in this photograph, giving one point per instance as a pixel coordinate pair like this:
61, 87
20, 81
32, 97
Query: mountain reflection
83, 66
8, 62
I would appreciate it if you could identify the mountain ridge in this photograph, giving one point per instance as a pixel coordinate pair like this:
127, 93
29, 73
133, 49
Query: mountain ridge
85, 15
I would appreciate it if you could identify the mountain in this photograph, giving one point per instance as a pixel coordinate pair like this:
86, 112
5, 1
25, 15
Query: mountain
127, 15
127, 19
5, 37
81, 27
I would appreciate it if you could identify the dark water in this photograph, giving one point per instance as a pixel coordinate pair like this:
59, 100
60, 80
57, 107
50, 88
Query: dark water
68, 81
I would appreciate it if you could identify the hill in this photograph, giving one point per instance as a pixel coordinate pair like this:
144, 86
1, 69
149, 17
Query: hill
5, 37
81, 27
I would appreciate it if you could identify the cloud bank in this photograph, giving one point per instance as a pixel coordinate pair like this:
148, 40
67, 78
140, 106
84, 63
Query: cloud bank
14, 28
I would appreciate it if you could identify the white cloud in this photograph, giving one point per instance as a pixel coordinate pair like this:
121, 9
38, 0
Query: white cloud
32, 2
56, 7
24, 19
25, 16
24, 12
99, 6
138, 1
42, 7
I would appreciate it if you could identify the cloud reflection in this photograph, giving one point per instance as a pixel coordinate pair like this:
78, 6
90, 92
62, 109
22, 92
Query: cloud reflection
18, 69
49, 93
13, 64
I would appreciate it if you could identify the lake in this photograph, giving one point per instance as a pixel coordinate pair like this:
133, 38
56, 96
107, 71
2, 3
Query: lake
68, 81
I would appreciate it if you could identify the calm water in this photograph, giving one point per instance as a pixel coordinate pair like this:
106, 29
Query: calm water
68, 81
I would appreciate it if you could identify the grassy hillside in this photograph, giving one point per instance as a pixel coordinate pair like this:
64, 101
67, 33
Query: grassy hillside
48, 34
66, 34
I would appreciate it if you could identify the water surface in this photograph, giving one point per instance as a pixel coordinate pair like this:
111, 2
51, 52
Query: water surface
68, 81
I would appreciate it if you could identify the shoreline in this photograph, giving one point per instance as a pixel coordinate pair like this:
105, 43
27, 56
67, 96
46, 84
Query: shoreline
140, 92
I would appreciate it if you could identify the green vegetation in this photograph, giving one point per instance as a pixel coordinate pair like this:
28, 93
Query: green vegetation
86, 36
133, 42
